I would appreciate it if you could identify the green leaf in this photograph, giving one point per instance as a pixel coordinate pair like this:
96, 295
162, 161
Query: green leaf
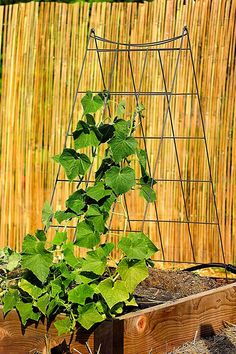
40, 235
122, 147
95, 262
89, 315
84, 136
47, 214
63, 326
56, 287
120, 109
90, 103
10, 300
59, 238
26, 312
106, 131
121, 180
113, 292
74, 164
148, 193
61, 215
75, 201
86, 277
52, 307
106, 206
42, 303
122, 128
86, 236
90, 119
132, 272
137, 246
68, 251
142, 157
98, 191
107, 248
96, 217
56, 158
34, 291
36, 258
80, 293
13, 261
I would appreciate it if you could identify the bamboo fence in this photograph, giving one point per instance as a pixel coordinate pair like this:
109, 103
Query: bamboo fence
42, 49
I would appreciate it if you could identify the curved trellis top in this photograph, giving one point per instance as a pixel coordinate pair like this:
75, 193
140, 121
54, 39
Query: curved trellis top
177, 135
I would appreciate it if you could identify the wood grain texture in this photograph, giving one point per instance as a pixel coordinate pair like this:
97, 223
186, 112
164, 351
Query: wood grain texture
162, 328
158, 329
37, 338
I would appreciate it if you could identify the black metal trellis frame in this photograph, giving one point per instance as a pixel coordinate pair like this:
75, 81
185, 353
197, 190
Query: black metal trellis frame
136, 93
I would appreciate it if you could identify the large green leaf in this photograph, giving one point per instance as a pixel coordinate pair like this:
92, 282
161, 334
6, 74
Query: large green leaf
96, 217
86, 236
89, 315
148, 193
26, 312
80, 293
122, 147
47, 214
137, 246
84, 135
75, 201
42, 303
106, 164
142, 157
132, 272
95, 262
34, 291
63, 215
120, 109
63, 326
106, 131
59, 238
113, 292
68, 251
90, 103
10, 300
36, 258
122, 127
75, 164
98, 191
13, 261
121, 180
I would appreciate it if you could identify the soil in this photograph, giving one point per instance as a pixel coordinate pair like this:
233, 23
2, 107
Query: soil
168, 285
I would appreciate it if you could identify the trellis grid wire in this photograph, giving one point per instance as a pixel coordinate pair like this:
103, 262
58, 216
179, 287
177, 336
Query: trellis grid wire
173, 45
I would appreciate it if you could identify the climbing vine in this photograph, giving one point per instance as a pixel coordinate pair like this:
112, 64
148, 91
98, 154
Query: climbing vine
47, 277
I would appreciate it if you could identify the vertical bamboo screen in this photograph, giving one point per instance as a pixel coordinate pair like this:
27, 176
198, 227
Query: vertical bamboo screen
42, 48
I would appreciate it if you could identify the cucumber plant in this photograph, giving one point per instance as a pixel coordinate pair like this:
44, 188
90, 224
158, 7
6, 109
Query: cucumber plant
48, 276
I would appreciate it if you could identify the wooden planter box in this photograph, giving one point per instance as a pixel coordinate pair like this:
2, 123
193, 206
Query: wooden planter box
155, 330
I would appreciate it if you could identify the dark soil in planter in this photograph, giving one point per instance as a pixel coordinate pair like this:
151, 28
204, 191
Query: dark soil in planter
167, 285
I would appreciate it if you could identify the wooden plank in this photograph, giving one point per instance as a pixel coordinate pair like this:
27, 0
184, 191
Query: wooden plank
162, 328
37, 338
159, 329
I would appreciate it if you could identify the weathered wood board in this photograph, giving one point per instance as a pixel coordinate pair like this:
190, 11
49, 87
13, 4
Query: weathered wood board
164, 327
158, 330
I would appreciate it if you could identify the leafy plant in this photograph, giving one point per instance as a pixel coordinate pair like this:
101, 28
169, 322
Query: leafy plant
51, 278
